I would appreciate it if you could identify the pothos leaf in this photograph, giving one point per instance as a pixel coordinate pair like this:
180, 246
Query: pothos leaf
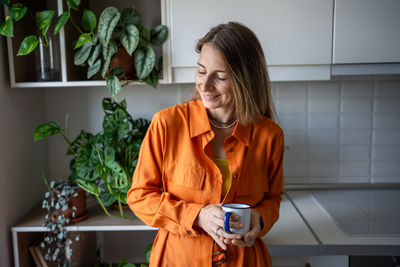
113, 85
89, 20
60, 22
144, 61
17, 12
108, 52
159, 34
130, 38
82, 53
7, 28
107, 22
28, 45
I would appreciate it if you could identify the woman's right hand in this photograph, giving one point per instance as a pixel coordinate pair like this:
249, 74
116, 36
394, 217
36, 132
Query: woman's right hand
211, 220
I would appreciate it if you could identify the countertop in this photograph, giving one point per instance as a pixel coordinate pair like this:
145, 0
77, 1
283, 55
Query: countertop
352, 221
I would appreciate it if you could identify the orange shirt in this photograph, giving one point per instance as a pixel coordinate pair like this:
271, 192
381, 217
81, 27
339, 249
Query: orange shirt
176, 176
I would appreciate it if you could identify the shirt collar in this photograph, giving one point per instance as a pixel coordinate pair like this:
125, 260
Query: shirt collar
199, 124
198, 119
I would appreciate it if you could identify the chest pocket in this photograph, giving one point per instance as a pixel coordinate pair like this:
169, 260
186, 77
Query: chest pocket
185, 175
252, 184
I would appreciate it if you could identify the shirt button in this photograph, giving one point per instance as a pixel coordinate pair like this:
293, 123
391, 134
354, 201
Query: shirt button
235, 176
189, 232
230, 150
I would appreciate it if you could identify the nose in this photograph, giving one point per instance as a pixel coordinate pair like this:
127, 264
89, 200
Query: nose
206, 83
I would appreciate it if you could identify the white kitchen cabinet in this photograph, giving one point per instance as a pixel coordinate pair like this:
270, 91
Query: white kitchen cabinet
296, 35
366, 31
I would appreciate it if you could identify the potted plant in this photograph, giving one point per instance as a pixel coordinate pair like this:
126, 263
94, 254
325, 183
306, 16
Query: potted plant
122, 33
60, 204
43, 20
117, 34
47, 57
103, 163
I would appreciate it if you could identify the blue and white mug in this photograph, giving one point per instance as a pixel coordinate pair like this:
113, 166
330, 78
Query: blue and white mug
244, 212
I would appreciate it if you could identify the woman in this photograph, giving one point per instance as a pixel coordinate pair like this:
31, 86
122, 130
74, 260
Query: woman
221, 147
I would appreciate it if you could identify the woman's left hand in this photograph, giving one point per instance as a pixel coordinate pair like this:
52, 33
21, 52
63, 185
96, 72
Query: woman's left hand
251, 235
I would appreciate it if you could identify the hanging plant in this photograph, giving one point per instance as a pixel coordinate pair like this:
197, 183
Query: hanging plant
57, 241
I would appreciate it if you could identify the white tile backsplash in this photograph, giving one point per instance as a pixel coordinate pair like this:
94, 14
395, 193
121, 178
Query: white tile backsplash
291, 105
386, 120
293, 122
387, 88
323, 89
354, 168
328, 153
355, 137
341, 131
386, 137
356, 104
291, 90
387, 104
317, 138
354, 152
323, 169
323, 105
323, 121
357, 88
296, 154
385, 168
295, 138
356, 121
386, 152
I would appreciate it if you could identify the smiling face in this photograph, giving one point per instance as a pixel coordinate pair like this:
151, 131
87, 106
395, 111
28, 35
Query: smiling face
212, 83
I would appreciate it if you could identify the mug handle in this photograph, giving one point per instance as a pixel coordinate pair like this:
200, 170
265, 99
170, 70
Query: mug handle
226, 222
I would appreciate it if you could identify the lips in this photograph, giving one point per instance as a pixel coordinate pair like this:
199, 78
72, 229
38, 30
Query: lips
210, 97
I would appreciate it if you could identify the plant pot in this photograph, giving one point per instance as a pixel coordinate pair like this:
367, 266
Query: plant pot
115, 206
123, 59
79, 202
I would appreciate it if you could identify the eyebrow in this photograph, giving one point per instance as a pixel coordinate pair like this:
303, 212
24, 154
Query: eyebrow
201, 65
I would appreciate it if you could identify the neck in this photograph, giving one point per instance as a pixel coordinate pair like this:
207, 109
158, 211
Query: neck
221, 116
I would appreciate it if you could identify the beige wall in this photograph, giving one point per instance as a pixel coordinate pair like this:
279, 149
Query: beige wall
21, 161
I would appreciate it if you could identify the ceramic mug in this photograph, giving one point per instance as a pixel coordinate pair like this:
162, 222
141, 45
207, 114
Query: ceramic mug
244, 212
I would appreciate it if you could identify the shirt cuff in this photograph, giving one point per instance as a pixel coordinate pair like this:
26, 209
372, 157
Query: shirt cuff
187, 221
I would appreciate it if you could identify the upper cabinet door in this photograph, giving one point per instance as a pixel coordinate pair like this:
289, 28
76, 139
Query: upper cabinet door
366, 31
292, 33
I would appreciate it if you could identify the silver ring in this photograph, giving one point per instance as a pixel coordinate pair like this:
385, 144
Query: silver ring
216, 230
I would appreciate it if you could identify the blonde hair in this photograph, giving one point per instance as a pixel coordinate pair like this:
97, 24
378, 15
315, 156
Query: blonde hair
247, 70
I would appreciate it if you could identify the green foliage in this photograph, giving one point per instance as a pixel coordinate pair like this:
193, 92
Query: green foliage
122, 263
148, 252
98, 40
103, 163
122, 29
89, 20
44, 21
28, 45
